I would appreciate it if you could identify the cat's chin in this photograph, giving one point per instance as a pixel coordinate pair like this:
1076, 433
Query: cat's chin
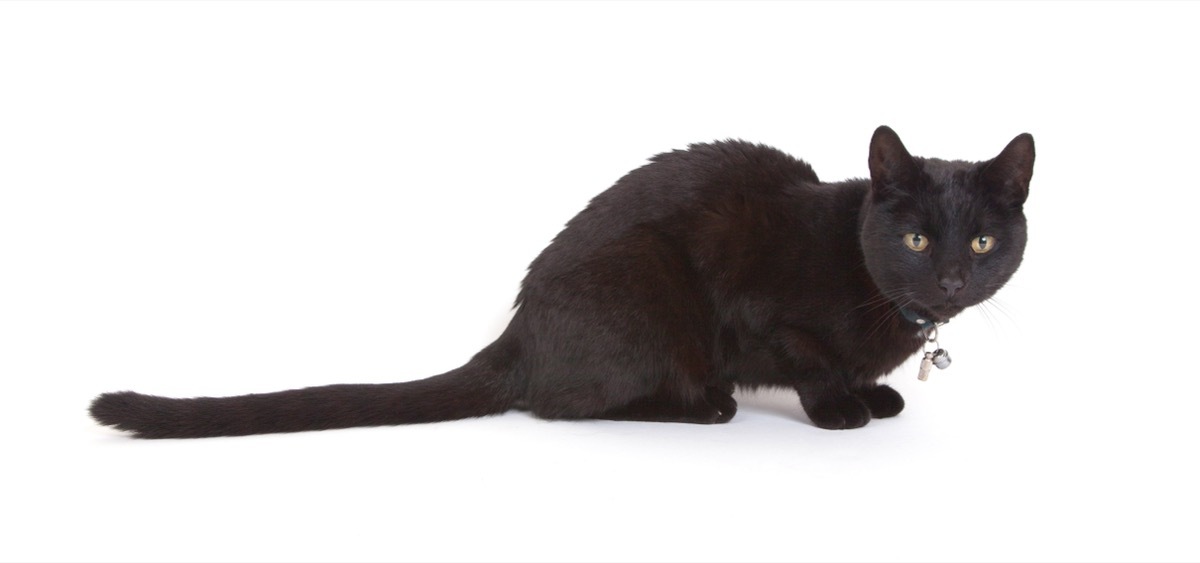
946, 315
938, 313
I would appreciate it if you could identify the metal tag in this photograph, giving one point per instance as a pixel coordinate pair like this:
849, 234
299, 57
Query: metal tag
926, 365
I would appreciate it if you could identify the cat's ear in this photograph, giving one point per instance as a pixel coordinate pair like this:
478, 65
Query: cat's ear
891, 166
1008, 174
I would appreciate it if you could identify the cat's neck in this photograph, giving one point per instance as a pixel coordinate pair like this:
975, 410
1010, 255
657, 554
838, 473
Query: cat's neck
856, 204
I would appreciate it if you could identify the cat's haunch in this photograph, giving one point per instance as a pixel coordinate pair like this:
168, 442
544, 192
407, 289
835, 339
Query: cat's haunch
726, 264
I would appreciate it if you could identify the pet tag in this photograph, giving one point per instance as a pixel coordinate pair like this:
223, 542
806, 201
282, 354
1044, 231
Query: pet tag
926, 365
938, 357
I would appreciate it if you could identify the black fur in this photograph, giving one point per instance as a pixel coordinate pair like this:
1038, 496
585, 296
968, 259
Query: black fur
726, 264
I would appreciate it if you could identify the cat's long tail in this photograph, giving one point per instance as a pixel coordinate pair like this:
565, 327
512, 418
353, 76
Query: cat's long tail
484, 386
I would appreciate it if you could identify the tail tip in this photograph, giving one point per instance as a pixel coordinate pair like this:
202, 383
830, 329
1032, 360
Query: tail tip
120, 410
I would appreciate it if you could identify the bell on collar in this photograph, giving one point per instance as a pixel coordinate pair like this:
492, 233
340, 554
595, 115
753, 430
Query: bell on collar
941, 358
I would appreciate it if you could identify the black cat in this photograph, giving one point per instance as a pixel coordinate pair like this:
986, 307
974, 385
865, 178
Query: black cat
726, 264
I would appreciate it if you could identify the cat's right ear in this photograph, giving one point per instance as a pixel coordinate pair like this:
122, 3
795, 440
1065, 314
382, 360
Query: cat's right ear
1009, 173
891, 166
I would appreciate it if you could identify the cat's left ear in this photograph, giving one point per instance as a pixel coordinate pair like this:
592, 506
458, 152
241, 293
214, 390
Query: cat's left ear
1009, 173
893, 169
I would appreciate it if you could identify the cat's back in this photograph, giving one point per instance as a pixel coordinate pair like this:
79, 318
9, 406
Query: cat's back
679, 183
668, 196
731, 164
710, 170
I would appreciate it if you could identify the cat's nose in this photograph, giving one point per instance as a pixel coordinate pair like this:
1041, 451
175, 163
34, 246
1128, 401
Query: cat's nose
951, 285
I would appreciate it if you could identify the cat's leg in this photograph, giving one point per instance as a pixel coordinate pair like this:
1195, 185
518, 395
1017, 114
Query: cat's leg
882, 400
716, 407
807, 363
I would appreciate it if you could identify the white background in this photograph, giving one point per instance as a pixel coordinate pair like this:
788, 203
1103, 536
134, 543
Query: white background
222, 198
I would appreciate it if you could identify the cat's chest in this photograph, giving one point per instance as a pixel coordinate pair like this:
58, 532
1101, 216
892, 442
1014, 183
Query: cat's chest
828, 338
870, 350
856, 331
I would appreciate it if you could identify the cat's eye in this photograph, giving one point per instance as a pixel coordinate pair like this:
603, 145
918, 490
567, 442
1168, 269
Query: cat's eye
916, 242
983, 244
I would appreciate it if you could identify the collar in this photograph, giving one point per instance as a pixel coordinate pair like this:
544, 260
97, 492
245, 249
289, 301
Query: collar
926, 328
916, 318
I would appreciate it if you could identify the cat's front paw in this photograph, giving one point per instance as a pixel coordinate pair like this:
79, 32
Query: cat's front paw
838, 412
722, 400
883, 401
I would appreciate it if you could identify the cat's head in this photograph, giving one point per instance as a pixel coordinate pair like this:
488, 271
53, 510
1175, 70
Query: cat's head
939, 236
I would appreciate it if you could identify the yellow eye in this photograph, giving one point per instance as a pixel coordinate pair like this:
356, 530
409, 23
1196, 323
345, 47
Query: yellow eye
983, 244
916, 242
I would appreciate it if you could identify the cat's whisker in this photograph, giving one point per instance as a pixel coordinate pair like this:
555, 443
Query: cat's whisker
881, 301
996, 304
987, 315
902, 301
873, 302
